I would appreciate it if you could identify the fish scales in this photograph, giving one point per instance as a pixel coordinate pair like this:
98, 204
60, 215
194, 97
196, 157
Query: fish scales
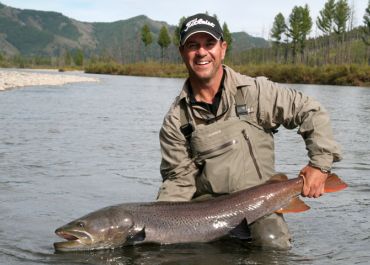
179, 222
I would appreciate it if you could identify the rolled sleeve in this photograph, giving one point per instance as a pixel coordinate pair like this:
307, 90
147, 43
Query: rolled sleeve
291, 108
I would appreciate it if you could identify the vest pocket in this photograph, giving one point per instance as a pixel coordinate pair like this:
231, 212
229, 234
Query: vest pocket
252, 154
219, 153
222, 167
218, 150
231, 155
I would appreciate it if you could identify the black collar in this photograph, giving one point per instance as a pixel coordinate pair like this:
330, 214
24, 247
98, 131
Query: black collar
213, 107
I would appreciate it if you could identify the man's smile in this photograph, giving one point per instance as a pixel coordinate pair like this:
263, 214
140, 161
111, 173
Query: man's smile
202, 62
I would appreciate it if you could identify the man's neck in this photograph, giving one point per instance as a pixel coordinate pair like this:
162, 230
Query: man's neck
205, 90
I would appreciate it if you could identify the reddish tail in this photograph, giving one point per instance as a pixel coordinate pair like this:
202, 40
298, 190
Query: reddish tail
334, 183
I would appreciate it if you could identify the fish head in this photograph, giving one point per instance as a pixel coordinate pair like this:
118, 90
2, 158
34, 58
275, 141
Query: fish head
107, 228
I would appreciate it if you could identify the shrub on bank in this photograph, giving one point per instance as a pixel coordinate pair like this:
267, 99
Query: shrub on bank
357, 75
138, 69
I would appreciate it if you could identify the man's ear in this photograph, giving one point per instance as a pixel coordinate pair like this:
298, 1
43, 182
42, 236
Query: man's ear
224, 49
181, 50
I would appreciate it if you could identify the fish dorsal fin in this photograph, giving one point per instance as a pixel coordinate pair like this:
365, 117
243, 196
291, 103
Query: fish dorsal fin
279, 177
241, 231
334, 183
295, 205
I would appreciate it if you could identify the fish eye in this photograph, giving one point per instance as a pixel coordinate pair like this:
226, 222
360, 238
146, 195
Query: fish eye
80, 224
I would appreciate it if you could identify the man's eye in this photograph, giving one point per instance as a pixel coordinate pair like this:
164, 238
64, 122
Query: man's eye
192, 46
211, 44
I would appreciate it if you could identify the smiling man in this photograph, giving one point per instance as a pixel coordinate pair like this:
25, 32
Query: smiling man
217, 137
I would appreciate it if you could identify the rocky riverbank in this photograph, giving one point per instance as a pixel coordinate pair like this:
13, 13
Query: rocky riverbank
20, 78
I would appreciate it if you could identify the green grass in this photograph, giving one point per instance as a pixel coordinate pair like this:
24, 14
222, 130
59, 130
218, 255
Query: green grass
342, 75
139, 69
353, 75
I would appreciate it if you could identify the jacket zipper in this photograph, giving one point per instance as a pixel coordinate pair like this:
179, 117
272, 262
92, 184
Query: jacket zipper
246, 137
209, 151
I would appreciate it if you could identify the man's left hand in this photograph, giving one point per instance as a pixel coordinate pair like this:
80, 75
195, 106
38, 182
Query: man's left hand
314, 181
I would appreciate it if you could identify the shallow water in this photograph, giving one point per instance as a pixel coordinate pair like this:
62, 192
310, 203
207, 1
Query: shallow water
69, 150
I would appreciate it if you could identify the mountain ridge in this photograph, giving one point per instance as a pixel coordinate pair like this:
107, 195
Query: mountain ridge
30, 32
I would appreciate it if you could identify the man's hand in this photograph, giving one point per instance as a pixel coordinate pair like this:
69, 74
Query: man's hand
314, 181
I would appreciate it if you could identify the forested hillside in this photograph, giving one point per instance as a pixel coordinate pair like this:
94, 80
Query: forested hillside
39, 37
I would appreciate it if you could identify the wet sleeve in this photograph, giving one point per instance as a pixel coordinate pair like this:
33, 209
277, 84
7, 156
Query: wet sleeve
291, 108
177, 168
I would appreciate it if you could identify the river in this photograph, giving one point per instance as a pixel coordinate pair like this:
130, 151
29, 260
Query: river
68, 150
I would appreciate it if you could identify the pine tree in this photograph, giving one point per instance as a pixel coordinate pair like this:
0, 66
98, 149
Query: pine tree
366, 32
228, 38
325, 23
67, 58
300, 24
341, 16
294, 30
278, 29
366, 28
176, 34
326, 19
164, 40
306, 25
78, 57
146, 37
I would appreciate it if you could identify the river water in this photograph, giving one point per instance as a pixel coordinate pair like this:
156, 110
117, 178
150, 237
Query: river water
68, 150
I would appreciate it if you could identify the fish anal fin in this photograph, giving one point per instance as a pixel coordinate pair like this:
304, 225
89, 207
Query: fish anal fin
295, 205
241, 231
334, 183
278, 177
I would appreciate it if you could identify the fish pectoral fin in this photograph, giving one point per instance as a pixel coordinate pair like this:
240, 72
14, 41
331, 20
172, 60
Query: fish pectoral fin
295, 205
137, 237
241, 231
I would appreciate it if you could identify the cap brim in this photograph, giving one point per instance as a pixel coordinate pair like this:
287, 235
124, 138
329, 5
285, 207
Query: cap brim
199, 31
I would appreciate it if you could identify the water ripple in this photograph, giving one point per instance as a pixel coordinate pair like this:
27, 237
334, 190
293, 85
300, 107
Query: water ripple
61, 156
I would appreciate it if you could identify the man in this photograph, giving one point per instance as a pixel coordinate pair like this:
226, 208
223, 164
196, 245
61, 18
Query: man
217, 137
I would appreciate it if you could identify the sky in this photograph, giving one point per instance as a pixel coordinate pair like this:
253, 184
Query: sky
254, 17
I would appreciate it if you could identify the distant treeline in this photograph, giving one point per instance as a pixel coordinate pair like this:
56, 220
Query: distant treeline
70, 59
340, 42
352, 75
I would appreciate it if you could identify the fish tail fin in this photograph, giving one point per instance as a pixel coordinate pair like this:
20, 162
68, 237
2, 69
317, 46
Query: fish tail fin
334, 183
295, 205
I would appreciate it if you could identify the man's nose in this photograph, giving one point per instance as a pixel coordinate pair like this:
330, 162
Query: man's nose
202, 51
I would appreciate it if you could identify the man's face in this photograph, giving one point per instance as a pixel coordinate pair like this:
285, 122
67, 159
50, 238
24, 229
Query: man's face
203, 55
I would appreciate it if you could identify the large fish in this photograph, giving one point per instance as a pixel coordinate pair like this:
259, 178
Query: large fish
184, 222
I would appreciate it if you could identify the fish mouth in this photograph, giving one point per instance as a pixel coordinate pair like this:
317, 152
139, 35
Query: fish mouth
75, 240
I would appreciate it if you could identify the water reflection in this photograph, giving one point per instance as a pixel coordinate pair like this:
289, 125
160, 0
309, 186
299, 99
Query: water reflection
217, 253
